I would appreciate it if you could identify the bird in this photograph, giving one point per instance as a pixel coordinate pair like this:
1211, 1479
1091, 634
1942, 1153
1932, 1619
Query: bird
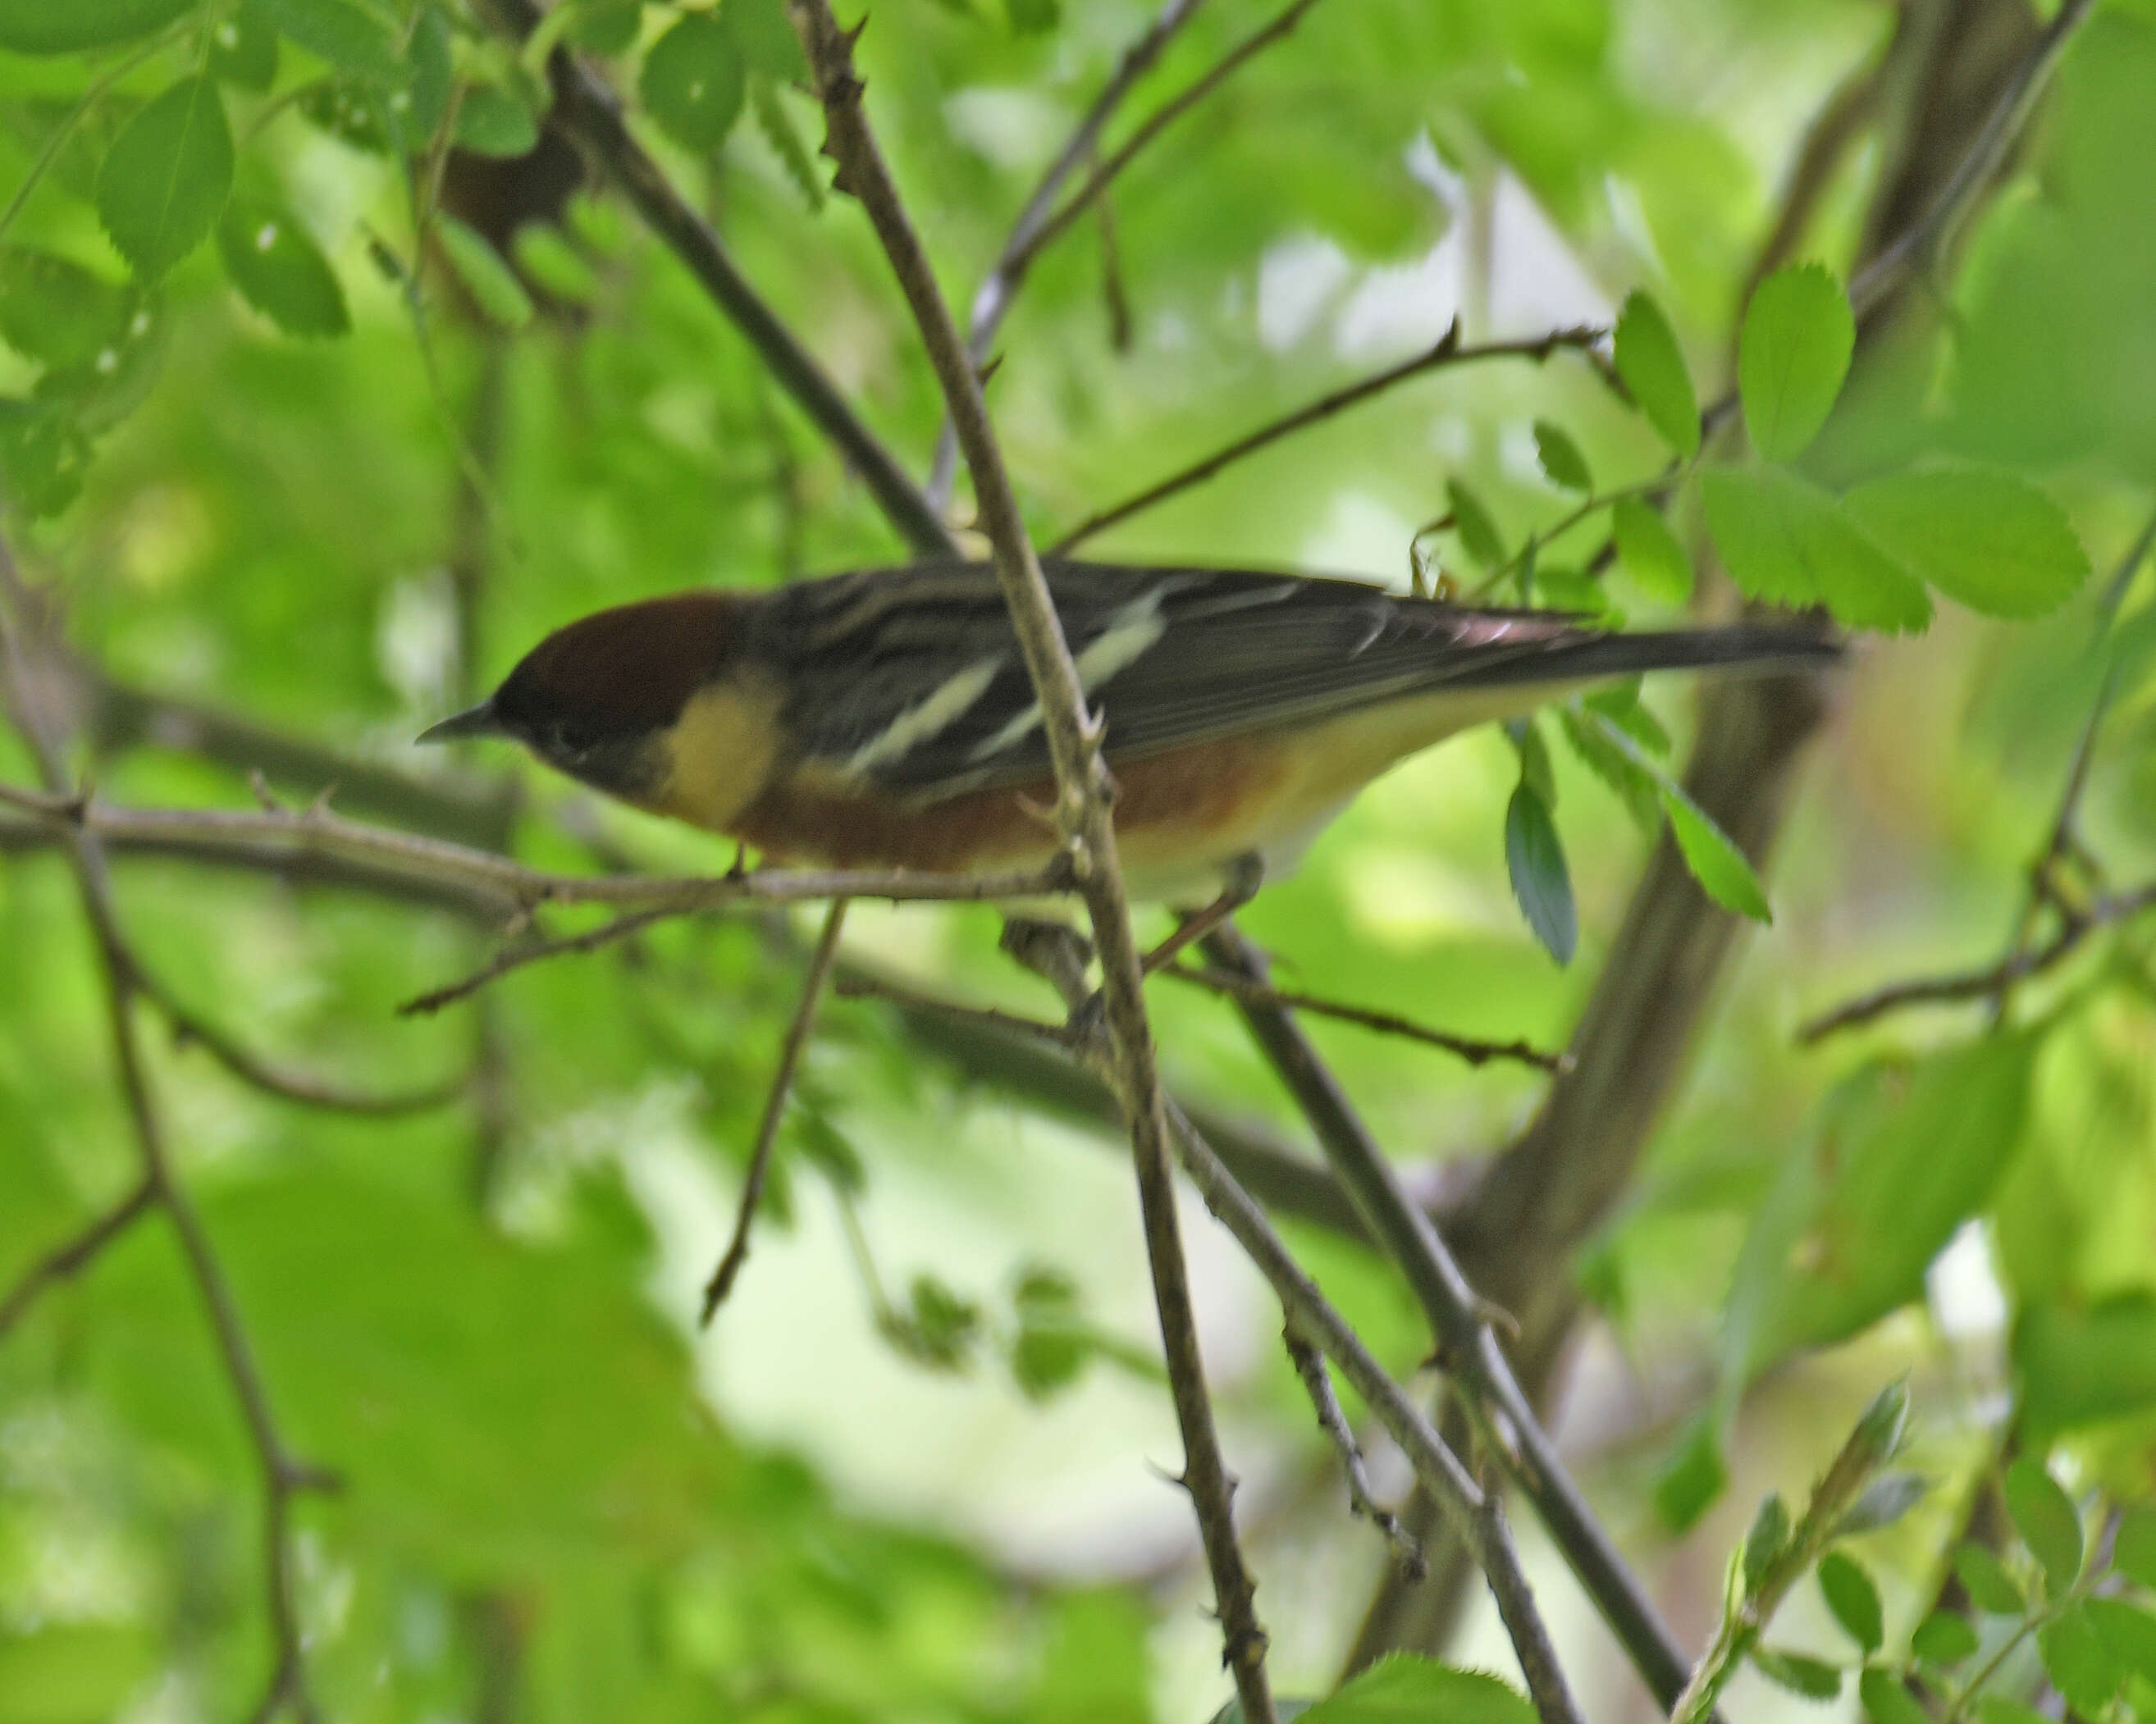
883, 718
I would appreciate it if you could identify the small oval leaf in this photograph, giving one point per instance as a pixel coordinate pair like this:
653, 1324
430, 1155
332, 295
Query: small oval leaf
1853, 1599
348, 36
492, 283
2048, 1522
1561, 458
71, 26
1652, 365
1540, 881
1784, 539
1477, 529
165, 176
280, 270
1650, 549
1792, 357
694, 82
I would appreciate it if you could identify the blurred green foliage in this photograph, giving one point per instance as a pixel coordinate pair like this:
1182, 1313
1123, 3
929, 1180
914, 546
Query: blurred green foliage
303, 417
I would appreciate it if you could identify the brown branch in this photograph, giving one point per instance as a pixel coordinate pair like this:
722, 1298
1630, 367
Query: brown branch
1084, 795
515, 957
2107, 910
1459, 1321
251, 1068
1020, 258
1447, 352
999, 289
589, 114
1468, 1048
774, 1110
283, 1474
74, 1255
913, 1000
1309, 1363
2022, 960
1918, 247
436, 861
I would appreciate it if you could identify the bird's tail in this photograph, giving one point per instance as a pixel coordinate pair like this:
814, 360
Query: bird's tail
1759, 647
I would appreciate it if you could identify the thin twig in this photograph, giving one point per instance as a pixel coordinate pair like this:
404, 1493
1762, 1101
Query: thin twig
1473, 1051
435, 860
1921, 243
1309, 1363
590, 115
2022, 960
283, 1474
1448, 351
251, 1068
774, 1110
75, 1255
1020, 258
2107, 910
515, 958
1460, 1322
913, 999
1083, 799
999, 289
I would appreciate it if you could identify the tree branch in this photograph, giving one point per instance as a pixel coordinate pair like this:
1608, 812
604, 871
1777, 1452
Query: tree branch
1459, 1321
1447, 352
1000, 288
1474, 1052
774, 1110
1084, 794
73, 1256
589, 114
1309, 1363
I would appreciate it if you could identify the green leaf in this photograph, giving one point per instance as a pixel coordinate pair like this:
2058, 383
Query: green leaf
1613, 765
1535, 859
1899, 1156
1985, 537
1794, 351
1991, 1585
1723, 870
1696, 1476
492, 283
2127, 1632
2048, 1522
1943, 1638
1652, 365
1783, 538
279, 269
2080, 1364
1769, 1536
71, 26
1807, 1678
1853, 1599
766, 40
55, 311
607, 27
1031, 18
2133, 1549
694, 82
430, 76
491, 121
1887, 1701
786, 143
1477, 529
1404, 1689
349, 37
43, 454
1650, 549
1882, 1502
1999, 1709
165, 176
2080, 1665
1561, 458
243, 48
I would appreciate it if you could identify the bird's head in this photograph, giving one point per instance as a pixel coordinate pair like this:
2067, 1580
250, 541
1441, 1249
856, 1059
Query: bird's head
597, 699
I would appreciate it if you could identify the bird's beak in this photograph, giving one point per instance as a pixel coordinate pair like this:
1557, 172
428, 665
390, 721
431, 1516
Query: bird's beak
478, 720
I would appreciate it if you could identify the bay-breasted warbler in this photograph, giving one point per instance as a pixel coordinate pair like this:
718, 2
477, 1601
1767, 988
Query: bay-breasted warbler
883, 718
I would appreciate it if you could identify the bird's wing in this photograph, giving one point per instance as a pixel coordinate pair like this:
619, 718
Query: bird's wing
910, 679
